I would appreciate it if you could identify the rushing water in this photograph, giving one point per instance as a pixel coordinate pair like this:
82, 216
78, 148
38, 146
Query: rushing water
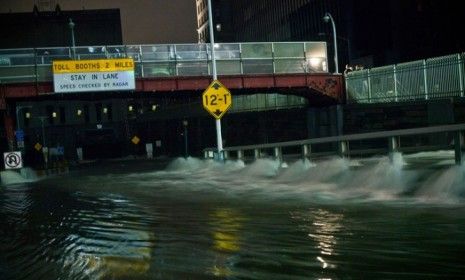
195, 219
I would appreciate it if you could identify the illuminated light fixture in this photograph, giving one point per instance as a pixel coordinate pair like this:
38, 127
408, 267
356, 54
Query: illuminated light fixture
79, 112
315, 62
130, 108
154, 107
216, 45
105, 110
54, 114
28, 115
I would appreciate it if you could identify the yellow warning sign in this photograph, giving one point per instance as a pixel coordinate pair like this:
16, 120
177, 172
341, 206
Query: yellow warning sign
216, 99
38, 147
135, 140
94, 65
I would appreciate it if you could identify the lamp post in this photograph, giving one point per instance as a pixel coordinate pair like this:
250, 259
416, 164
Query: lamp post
73, 45
328, 18
185, 123
219, 139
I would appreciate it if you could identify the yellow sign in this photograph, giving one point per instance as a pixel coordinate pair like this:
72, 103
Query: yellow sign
94, 65
216, 99
135, 140
38, 147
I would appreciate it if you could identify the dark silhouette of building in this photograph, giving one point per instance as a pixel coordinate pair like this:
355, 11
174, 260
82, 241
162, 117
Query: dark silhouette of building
51, 29
370, 33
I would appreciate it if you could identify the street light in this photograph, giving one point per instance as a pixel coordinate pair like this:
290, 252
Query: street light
71, 26
328, 18
219, 137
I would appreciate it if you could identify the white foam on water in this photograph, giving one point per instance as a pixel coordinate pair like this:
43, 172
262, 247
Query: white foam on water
334, 179
444, 185
25, 175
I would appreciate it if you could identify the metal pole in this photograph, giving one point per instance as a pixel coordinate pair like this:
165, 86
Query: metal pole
73, 45
186, 154
219, 138
335, 43
43, 130
329, 17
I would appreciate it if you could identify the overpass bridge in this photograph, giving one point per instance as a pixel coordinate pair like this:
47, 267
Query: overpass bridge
174, 71
288, 67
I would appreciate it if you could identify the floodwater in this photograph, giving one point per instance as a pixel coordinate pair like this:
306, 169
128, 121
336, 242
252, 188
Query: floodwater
197, 219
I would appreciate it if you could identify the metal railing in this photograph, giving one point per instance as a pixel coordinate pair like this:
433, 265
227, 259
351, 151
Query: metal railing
343, 142
31, 65
433, 78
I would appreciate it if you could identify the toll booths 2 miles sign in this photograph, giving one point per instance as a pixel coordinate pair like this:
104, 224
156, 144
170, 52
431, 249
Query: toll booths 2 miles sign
93, 75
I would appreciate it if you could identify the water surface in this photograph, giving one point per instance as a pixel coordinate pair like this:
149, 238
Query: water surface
195, 219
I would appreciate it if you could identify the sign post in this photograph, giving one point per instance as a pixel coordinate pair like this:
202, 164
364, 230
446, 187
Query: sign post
219, 138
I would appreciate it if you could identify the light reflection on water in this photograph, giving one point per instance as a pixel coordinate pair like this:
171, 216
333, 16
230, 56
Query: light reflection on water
242, 224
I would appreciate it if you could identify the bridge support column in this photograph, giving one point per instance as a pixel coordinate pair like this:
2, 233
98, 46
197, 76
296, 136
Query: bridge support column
459, 147
393, 147
9, 131
278, 154
343, 149
306, 151
240, 155
256, 153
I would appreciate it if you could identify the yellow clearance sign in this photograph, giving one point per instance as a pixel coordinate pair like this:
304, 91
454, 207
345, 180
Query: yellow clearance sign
216, 99
95, 65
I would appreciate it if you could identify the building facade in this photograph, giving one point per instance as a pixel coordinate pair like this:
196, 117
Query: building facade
370, 33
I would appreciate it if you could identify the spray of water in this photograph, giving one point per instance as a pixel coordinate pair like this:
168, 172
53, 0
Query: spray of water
379, 178
25, 175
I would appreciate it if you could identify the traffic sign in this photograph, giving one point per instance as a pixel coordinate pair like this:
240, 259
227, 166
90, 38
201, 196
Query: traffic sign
38, 147
19, 135
216, 99
135, 140
13, 160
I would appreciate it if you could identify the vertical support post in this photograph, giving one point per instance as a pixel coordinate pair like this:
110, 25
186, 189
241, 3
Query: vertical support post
240, 59
141, 62
240, 155
176, 70
306, 151
9, 131
396, 94
226, 154
393, 147
278, 154
425, 79
459, 147
219, 137
343, 149
272, 58
205, 154
256, 153
369, 85
459, 57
